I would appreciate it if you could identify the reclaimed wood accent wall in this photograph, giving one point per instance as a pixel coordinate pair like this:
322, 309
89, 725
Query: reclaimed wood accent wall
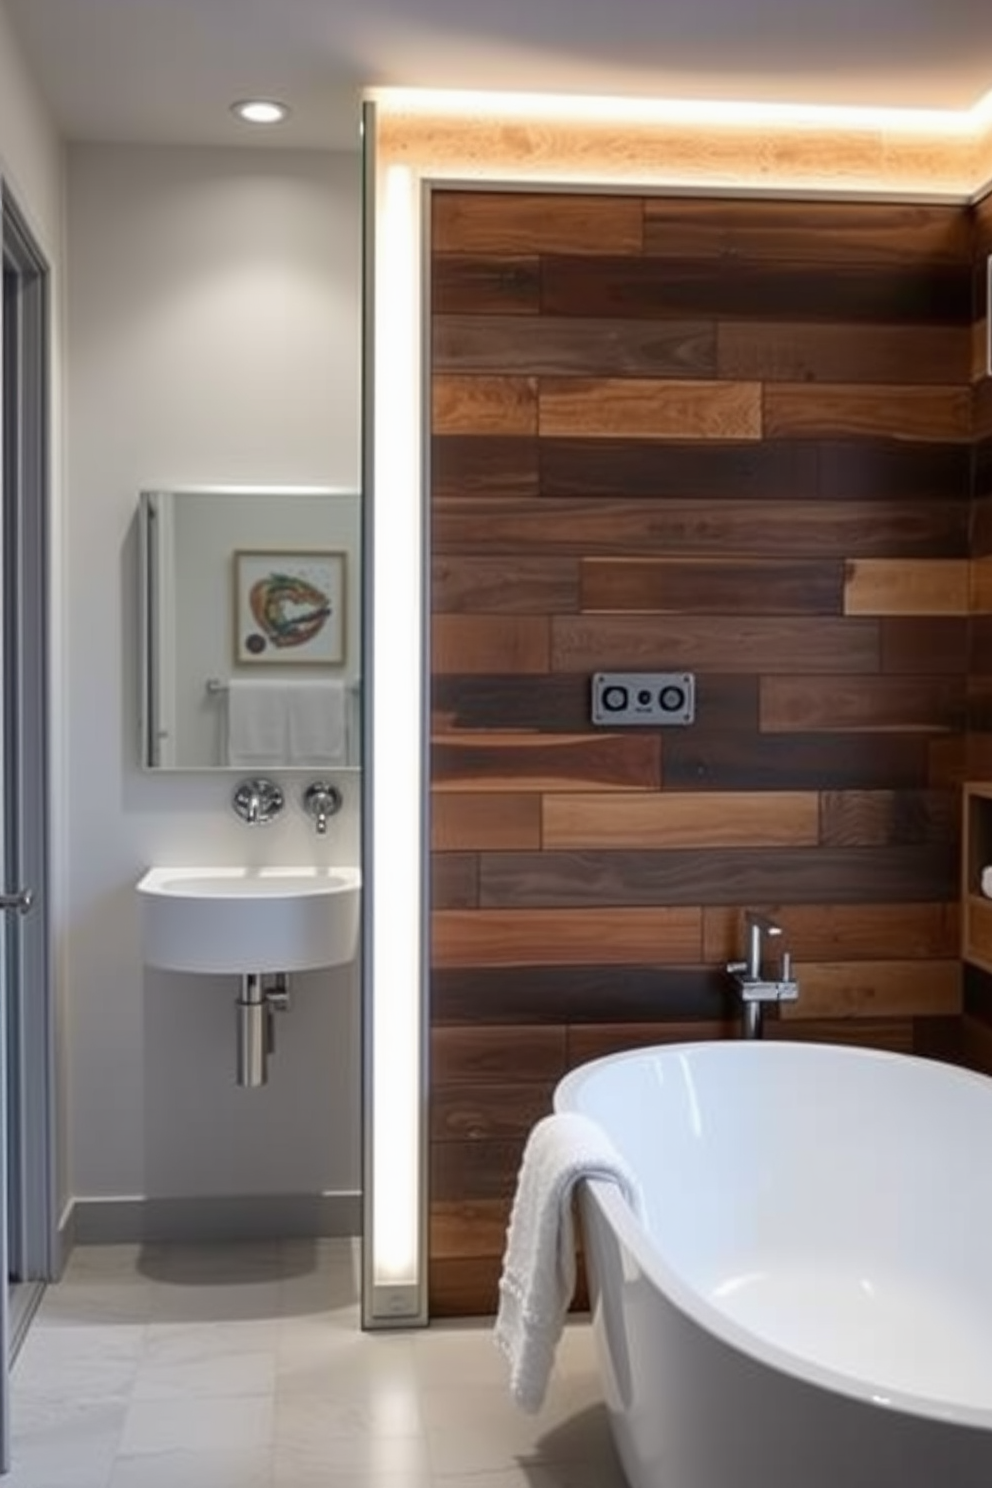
726, 436
977, 1022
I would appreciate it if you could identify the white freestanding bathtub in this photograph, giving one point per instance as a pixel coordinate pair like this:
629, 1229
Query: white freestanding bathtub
808, 1303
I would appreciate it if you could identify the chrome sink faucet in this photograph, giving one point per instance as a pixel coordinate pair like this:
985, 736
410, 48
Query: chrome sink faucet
321, 801
754, 986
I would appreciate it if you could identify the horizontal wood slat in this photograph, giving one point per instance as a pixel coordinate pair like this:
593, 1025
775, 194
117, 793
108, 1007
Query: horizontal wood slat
462, 1227
804, 353
841, 932
783, 470
894, 1035
629, 760
887, 818
580, 994
455, 880
720, 819
980, 586
542, 345
463, 822
715, 759
536, 222
484, 405
649, 408
483, 643
841, 703
598, 1041
652, 287
832, 410
479, 1112
565, 937
688, 876
670, 528
504, 586
889, 586
481, 285
500, 465
699, 643
888, 989
937, 646
882, 235
497, 1055
718, 586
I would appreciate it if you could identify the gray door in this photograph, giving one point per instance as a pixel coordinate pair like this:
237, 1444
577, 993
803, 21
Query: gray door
27, 1222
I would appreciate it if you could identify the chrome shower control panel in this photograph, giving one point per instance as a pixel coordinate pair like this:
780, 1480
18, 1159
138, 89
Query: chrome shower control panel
658, 698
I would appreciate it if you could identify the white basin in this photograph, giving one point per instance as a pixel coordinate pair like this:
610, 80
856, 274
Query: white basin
249, 919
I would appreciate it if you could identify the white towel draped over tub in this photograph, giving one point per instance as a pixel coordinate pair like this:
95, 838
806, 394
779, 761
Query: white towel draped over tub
272, 722
538, 1279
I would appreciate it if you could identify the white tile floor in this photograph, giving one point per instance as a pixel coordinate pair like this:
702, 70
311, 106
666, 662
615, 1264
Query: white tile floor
245, 1367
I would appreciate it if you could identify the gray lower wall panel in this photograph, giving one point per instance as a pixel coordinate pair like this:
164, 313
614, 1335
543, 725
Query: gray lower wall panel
253, 1217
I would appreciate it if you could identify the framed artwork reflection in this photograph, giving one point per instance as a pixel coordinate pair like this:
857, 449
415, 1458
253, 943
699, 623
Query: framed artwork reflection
289, 607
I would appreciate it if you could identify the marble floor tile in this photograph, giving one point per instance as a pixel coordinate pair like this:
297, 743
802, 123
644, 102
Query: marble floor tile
187, 1469
204, 1425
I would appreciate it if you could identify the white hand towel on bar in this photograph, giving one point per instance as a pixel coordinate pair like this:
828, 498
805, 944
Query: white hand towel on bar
272, 722
538, 1279
317, 723
256, 723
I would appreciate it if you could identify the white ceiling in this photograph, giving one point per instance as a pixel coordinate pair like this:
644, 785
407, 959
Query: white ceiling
166, 70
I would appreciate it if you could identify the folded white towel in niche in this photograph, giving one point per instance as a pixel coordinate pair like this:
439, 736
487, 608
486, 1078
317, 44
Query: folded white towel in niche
272, 722
538, 1279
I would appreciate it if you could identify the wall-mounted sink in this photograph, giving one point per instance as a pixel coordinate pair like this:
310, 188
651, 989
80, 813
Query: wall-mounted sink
249, 919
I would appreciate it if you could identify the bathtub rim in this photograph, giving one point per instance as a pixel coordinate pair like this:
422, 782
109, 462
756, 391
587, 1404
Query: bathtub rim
706, 1314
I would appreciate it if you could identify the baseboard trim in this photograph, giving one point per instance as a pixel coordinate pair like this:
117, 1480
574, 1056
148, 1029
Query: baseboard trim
65, 1241
136, 1221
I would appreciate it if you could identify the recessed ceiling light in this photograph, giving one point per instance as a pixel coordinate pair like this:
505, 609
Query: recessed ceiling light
260, 111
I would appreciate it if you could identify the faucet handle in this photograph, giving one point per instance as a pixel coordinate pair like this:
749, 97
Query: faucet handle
737, 968
257, 801
321, 800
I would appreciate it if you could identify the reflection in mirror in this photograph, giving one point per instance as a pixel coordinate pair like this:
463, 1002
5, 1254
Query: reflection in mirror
250, 608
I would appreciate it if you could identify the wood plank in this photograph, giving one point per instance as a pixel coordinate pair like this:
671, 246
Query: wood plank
767, 470
672, 527
627, 760
599, 1040
462, 822
590, 643
826, 410
839, 703
460, 1228
484, 405
895, 1035
887, 818
718, 759
879, 234
483, 465
981, 406
673, 819
948, 764
454, 880
712, 586
980, 645
582, 994
652, 287
841, 932
504, 586
480, 285
498, 703
688, 876
976, 942
476, 1112
939, 1038
573, 347
882, 469
976, 1045
516, 222
484, 643
981, 529
494, 1056
800, 352
649, 408
938, 645
562, 937
895, 586
886, 989
464, 1286
475, 1170
980, 586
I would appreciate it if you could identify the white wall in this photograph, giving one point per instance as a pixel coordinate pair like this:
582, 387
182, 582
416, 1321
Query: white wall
31, 167
213, 338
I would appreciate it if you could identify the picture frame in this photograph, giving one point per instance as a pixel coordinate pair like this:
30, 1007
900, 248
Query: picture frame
289, 607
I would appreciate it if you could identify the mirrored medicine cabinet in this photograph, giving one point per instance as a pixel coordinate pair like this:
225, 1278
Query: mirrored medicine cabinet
250, 606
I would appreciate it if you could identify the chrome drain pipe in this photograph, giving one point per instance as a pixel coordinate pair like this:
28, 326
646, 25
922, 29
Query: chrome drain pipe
256, 1009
